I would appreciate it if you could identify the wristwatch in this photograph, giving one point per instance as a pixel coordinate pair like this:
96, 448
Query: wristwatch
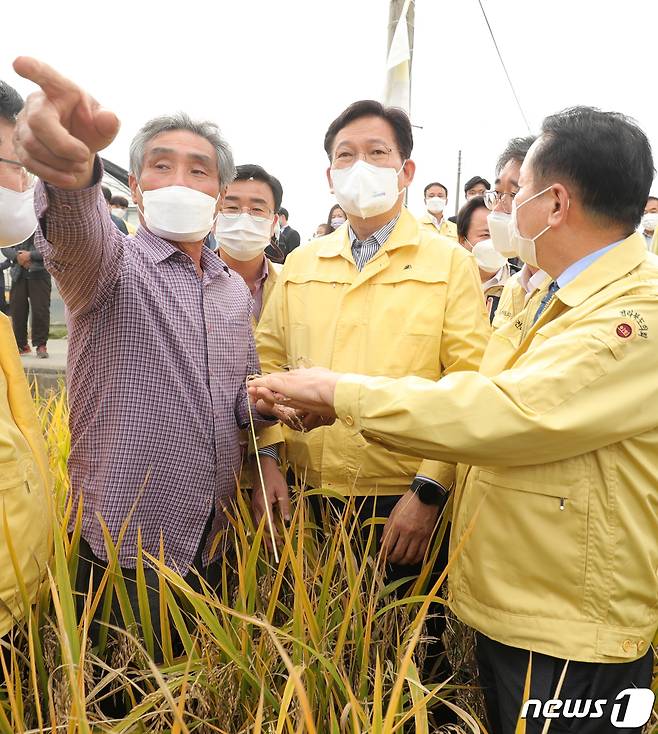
429, 492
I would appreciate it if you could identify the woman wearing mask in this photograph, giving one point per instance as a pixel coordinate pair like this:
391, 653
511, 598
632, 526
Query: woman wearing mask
473, 234
336, 218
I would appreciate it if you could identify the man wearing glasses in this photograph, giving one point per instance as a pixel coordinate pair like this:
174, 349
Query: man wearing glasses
244, 229
555, 523
530, 282
384, 297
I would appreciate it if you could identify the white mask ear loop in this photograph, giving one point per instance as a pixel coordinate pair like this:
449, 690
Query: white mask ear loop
139, 208
397, 173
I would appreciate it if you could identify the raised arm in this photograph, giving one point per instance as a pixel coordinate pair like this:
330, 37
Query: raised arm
57, 137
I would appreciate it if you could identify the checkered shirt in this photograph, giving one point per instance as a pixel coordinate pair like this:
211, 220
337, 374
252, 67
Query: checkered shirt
156, 374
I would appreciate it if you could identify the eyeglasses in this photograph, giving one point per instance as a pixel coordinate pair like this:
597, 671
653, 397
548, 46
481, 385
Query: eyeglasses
234, 210
8, 165
493, 198
12, 163
377, 155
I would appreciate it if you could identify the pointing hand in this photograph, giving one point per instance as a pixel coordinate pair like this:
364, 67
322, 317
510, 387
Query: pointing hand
61, 127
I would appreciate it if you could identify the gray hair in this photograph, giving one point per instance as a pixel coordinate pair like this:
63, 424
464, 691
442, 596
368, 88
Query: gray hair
182, 121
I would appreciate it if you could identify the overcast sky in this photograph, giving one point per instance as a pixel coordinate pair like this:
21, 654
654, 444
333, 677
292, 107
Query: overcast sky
274, 74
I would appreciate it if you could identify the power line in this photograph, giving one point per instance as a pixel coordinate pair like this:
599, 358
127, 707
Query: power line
493, 38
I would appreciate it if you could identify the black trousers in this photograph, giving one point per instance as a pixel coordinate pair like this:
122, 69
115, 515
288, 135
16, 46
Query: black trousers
31, 295
89, 563
503, 672
436, 667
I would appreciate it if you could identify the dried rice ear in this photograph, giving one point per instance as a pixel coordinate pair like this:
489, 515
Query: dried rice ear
292, 417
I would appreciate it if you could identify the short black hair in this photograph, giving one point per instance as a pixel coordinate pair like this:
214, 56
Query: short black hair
396, 117
434, 183
284, 212
119, 201
249, 171
516, 150
107, 193
651, 198
604, 156
465, 215
11, 103
475, 181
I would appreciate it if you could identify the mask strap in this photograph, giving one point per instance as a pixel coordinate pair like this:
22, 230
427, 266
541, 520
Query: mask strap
534, 196
546, 228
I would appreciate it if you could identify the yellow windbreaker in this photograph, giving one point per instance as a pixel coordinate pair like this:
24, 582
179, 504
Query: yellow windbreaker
24, 485
448, 229
558, 512
415, 309
513, 301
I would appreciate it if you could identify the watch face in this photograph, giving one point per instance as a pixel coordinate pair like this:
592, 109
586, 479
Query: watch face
431, 494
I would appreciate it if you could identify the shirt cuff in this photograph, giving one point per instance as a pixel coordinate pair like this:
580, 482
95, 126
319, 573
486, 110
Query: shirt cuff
347, 399
65, 202
57, 208
272, 452
427, 480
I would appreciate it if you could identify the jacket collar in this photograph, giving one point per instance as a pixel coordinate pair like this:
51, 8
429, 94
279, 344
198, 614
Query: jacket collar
609, 267
405, 233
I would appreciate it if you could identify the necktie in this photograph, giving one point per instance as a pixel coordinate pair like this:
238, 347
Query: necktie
546, 300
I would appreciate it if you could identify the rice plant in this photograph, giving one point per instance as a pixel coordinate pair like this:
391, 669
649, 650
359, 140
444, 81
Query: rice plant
314, 643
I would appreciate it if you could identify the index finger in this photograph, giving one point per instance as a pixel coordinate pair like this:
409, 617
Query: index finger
50, 80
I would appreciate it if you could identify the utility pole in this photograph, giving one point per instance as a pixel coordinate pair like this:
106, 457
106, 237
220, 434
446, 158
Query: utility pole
459, 179
395, 11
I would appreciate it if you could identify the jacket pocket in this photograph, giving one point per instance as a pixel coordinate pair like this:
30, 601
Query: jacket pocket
528, 549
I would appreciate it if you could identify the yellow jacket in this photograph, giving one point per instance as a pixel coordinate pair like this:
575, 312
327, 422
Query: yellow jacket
563, 443
654, 242
447, 229
24, 484
415, 309
513, 301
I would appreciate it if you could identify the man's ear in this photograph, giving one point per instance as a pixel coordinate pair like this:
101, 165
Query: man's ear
220, 199
331, 183
134, 190
407, 173
560, 205
274, 221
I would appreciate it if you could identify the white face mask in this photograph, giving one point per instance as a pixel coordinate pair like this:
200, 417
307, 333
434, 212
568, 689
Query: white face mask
178, 213
366, 190
526, 246
17, 218
337, 222
649, 221
243, 237
498, 223
488, 258
121, 213
436, 204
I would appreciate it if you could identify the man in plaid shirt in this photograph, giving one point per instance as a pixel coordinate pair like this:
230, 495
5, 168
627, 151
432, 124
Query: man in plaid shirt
159, 329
